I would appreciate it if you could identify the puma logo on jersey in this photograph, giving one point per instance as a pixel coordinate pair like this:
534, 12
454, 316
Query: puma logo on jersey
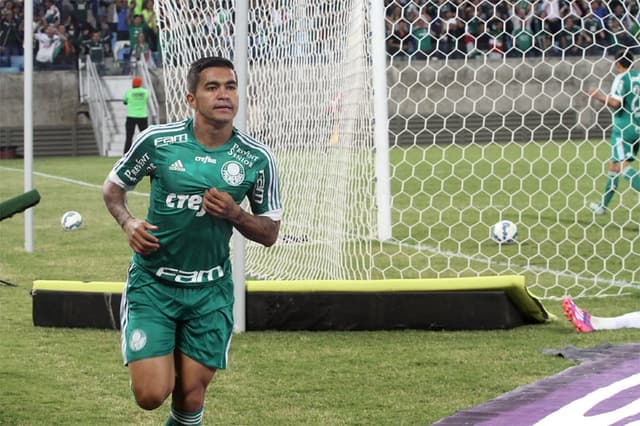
177, 166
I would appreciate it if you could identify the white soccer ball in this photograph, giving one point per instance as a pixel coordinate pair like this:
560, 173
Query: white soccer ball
504, 232
71, 220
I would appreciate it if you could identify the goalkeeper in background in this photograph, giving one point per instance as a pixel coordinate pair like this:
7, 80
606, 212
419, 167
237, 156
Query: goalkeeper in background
624, 99
177, 305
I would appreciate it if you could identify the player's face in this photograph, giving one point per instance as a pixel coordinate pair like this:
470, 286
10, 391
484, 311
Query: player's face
216, 97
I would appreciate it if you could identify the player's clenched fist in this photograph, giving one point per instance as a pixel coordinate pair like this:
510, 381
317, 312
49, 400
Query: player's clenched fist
220, 204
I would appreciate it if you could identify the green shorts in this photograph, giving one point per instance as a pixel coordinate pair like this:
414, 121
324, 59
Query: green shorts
624, 144
157, 318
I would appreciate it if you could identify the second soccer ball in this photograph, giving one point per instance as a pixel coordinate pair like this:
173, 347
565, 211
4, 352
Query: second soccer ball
504, 232
71, 220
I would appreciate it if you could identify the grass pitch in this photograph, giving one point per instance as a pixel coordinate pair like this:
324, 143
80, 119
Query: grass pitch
54, 376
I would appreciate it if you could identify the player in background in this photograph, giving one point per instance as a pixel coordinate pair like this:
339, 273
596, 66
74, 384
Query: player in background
177, 306
586, 323
624, 99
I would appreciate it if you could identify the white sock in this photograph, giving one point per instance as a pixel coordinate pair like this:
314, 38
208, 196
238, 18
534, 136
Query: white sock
630, 320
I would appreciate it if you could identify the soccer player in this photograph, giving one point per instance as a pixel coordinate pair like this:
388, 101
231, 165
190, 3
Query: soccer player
586, 323
624, 99
177, 306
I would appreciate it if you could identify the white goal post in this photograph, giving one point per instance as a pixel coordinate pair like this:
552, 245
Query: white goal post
394, 164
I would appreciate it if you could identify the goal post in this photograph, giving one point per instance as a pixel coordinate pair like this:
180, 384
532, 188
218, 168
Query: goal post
403, 133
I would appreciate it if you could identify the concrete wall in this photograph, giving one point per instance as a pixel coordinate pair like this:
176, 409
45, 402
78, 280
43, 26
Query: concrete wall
419, 88
56, 98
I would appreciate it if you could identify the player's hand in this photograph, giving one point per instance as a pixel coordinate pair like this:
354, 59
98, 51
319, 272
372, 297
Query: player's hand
140, 239
220, 204
592, 91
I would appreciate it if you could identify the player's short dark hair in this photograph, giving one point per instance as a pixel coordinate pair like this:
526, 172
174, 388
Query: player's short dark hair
193, 77
625, 58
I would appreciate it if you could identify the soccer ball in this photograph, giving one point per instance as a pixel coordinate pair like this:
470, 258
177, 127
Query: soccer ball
71, 220
504, 232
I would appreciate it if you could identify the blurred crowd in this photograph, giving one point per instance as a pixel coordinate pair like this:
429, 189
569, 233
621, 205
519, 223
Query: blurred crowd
119, 31
64, 30
468, 28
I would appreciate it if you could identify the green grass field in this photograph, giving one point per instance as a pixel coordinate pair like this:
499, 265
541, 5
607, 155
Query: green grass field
54, 376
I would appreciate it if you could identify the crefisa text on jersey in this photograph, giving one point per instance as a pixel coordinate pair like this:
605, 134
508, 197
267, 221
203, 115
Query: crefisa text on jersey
244, 156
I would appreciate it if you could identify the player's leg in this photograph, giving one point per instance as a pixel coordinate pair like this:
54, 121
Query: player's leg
148, 337
187, 405
630, 150
613, 174
580, 318
152, 380
202, 346
630, 320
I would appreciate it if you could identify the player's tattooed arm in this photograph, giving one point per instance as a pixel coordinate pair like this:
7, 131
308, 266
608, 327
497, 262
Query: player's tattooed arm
137, 231
260, 229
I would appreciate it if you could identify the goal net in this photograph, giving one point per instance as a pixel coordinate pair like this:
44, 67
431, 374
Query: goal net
488, 120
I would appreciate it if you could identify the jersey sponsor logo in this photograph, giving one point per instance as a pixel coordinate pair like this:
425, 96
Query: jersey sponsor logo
177, 166
232, 173
206, 159
244, 156
181, 201
137, 340
139, 166
258, 189
190, 277
169, 140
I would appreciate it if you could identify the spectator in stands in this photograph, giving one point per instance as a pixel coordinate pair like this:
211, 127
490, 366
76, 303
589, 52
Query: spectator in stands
52, 13
137, 115
121, 9
68, 54
474, 29
421, 32
149, 16
10, 37
595, 35
523, 40
49, 45
620, 24
142, 52
95, 49
400, 42
451, 31
569, 38
136, 26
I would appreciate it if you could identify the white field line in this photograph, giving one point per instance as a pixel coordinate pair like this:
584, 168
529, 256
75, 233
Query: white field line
72, 181
525, 268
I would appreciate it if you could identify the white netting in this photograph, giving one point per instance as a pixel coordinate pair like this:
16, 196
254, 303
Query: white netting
488, 120
310, 101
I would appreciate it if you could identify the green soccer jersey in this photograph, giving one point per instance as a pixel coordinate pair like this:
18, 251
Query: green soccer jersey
194, 246
626, 89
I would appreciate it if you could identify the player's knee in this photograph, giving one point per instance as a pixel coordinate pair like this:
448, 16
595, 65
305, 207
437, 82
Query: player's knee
149, 398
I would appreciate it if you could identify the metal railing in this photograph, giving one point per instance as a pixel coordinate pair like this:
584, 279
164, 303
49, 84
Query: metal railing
92, 91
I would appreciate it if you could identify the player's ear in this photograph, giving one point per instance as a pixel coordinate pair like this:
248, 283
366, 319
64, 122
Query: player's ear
191, 100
